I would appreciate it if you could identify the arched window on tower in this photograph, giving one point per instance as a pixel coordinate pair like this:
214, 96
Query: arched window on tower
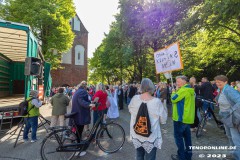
76, 25
79, 55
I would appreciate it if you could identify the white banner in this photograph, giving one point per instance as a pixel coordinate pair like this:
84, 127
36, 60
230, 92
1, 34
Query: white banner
168, 59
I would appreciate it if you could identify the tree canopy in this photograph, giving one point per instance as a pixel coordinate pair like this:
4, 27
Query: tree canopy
208, 32
49, 20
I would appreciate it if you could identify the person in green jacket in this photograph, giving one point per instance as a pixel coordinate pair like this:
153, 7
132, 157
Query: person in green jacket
31, 120
59, 102
183, 100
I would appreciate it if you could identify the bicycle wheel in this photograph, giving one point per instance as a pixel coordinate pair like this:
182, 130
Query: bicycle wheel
111, 138
52, 142
200, 127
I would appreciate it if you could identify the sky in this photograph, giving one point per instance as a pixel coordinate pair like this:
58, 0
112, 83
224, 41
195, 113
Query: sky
96, 16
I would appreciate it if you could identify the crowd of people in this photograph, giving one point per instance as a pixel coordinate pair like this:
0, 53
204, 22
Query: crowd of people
182, 96
185, 105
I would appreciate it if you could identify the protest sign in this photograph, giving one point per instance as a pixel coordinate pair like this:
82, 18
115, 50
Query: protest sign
167, 75
168, 59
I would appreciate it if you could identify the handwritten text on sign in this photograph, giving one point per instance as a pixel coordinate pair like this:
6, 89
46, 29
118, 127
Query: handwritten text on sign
168, 59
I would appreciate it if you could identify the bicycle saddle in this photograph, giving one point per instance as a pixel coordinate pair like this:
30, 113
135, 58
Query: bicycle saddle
70, 115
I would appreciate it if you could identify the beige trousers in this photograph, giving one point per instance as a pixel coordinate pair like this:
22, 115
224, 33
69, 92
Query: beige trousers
54, 121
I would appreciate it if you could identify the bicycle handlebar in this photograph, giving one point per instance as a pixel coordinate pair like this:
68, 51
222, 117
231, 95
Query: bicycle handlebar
204, 100
96, 105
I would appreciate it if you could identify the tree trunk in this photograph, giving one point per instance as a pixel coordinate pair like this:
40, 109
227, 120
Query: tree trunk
121, 70
108, 79
102, 78
155, 48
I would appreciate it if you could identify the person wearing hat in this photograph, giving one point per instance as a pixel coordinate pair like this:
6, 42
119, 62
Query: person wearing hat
31, 120
183, 100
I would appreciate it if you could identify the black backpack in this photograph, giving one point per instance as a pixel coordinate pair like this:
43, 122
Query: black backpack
142, 125
23, 107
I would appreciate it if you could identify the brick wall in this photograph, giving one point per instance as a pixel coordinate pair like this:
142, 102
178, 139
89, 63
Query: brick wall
73, 74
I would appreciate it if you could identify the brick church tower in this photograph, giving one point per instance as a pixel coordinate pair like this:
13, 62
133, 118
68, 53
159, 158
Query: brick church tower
75, 61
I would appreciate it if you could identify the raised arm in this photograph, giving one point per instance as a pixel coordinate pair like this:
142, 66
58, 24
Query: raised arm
177, 96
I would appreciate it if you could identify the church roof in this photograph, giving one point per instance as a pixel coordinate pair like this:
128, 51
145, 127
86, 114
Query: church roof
82, 23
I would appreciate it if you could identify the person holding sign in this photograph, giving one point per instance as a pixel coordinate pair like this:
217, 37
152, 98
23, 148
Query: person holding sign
183, 101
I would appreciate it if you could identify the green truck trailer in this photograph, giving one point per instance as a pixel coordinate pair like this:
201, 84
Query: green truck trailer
17, 43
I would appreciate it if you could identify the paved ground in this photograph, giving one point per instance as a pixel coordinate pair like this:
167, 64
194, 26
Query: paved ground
31, 151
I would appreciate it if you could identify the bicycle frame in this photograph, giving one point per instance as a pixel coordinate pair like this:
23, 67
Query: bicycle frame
209, 110
84, 143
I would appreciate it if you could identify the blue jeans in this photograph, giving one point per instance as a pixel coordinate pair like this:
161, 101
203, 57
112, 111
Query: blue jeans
142, 154
31, 122
95, 115
182, 135
206, 105
128, 100
234, 140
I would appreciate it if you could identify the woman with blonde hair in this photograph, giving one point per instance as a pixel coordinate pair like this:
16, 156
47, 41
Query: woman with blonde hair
112, 111
100, 97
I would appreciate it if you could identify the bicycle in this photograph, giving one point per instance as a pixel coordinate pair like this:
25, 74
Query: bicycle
205, 116
62, 143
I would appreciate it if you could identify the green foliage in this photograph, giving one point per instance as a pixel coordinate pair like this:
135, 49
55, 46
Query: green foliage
110, 58
208, 31
211, 39
211, 54
49, 20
